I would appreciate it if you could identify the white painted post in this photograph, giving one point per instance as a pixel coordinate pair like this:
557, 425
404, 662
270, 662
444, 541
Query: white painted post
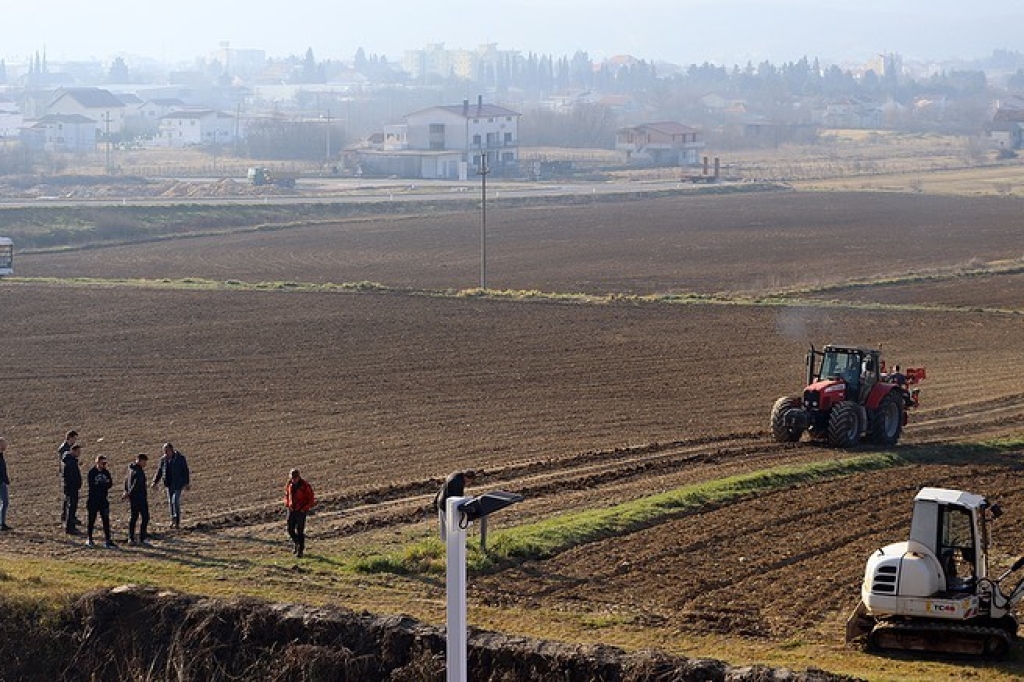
455, 566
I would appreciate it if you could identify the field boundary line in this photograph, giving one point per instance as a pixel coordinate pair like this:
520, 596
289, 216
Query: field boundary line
516, 295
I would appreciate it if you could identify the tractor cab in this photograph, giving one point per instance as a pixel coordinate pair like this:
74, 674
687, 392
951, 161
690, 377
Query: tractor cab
857, 368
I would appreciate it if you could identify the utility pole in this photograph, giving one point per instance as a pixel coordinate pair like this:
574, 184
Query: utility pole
238, 119
483, 171
327, 158
106, 119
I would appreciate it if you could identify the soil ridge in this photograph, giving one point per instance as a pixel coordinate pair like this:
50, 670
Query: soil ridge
133, 632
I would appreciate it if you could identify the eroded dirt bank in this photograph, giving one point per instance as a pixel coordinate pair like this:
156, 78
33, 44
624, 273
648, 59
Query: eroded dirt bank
144, 634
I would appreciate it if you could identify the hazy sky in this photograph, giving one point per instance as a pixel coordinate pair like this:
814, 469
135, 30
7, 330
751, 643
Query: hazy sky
681, 31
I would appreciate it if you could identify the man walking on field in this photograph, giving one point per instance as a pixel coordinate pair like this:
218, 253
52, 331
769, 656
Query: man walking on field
175, 475
71, 472
100, 483
135, 493
5, 481
298, 497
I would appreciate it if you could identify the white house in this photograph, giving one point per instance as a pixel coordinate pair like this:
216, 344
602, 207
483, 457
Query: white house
100, 105
152, 110
449, 142
197, 127
11, 119
61, 133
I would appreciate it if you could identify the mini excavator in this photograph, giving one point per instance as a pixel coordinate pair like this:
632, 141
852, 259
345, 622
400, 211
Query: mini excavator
933, 592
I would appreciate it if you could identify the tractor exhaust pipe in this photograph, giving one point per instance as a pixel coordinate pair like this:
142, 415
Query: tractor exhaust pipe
810, 365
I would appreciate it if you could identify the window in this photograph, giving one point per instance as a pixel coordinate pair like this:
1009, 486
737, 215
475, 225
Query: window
508, 138
476, 140
956, 546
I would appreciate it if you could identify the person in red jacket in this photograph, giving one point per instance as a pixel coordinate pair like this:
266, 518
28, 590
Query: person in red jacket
298, 497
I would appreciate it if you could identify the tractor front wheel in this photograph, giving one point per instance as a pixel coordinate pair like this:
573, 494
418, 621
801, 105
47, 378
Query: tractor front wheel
780, 432
887, 419
844, 425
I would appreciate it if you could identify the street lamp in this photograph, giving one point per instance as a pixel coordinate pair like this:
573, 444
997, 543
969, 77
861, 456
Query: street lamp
459, 513
483, 170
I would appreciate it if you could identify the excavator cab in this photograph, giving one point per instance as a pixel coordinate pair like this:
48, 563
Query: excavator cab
957, 547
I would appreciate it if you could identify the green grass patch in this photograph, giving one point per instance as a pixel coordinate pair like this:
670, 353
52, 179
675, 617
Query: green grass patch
560, 532
549, 537
544, 539
782, 299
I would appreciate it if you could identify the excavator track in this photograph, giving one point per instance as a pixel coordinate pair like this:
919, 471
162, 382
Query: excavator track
941, 637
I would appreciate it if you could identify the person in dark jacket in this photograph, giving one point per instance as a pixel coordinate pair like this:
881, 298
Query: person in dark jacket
71, 473
138, 501
454, 486
5, 482
298, 497
100, 483
70, 438
174, 473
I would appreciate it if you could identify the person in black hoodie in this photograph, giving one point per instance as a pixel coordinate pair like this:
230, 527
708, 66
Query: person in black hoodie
454, 486
4, 482
135, 492
100, 483
71, 473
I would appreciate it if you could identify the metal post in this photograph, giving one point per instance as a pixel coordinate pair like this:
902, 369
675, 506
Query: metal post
327, 160
483, 219
455, 567
107, 135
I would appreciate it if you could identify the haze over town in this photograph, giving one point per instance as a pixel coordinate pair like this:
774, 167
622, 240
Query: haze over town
719, 31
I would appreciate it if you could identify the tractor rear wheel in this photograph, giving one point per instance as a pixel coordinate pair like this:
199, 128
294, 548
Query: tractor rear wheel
780, 432
887, 419
844, 425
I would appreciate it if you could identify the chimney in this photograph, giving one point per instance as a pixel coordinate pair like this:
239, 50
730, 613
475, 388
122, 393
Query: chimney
479, 104
465, 108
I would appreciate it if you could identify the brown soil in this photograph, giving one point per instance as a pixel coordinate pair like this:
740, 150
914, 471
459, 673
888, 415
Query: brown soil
704, 244
377, 396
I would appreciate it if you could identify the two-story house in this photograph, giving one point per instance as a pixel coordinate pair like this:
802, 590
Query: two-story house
192, 127
664, 143
102, 106
449, 142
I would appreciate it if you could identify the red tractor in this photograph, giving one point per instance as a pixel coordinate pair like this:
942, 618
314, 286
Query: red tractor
849, 397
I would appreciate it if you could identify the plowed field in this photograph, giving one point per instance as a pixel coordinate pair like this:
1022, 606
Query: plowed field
377, 396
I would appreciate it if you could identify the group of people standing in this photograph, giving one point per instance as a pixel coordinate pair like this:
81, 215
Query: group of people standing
173, 471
